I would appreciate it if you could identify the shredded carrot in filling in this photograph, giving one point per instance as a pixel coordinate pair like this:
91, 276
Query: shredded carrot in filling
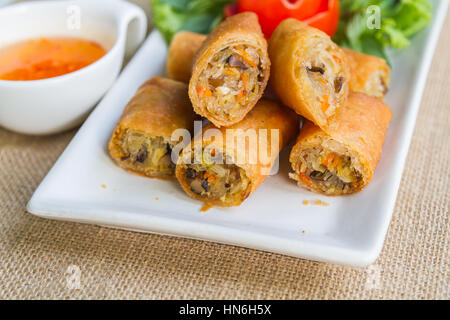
335, 163
327, 160
322, 81
209, 176
229, 72
326, 104
332, 161
246, 57
338, 60
244, 81
204, 92
305, 179
207, 93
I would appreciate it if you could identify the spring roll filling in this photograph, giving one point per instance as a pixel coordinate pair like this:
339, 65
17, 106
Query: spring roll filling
331, 171
324, 71
232, 78
146, 153
216, 181
376, 86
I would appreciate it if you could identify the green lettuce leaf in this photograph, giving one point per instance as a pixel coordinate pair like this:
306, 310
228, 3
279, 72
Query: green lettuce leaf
399, 21
171, 16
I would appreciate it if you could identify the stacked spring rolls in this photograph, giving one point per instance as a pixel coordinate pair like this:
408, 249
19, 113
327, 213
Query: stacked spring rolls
368, 74
340, 143
226, 73
222, 78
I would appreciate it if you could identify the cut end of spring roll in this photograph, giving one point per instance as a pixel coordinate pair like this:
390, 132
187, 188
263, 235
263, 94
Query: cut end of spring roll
325, 165
216, 184
182, 51
141, 142
219, 177
343, 160
230, 71
369, 74
308, 72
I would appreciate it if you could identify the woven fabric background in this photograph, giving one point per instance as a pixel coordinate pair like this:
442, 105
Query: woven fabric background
39, 258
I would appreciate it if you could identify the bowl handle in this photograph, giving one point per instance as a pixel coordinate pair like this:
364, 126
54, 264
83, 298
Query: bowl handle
134, 24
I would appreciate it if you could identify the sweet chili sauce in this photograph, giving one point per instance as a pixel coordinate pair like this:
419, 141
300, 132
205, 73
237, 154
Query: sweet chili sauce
44, 58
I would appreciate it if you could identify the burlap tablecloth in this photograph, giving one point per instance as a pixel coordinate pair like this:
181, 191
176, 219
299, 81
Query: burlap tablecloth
42, 258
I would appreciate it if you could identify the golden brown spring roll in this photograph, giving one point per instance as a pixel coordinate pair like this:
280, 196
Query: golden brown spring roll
230, 168
368, 74
309, 72
342, 161
181, 54
141, 141
230, 70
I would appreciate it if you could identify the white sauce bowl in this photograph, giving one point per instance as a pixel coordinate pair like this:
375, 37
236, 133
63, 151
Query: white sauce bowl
60, 103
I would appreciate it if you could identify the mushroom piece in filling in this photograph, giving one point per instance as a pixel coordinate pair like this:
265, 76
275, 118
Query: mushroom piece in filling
232, 78
331, 172
222, 182
147, 154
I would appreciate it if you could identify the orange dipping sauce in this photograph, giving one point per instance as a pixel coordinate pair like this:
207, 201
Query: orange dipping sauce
47, 58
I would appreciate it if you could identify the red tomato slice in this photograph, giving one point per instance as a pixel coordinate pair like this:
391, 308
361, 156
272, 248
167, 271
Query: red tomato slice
321, 14
301, 9
326, 20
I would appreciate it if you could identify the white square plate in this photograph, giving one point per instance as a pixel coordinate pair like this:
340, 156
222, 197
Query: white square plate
350, 230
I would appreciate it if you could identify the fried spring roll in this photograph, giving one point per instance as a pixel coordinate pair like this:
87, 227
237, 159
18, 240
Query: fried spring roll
342, 161
309, 72
181, 55
141, 141
369, 74
230, 71
227, 173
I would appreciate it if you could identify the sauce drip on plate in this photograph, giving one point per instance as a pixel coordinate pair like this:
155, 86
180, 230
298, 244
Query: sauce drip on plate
44, 58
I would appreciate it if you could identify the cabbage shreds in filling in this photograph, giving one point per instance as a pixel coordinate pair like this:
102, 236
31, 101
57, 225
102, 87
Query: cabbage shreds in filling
232, 78
147, 154
327, 77
217, 181
330, 171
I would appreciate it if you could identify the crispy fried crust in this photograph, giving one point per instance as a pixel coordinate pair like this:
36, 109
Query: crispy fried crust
158, 108
369, 74
240, 29
182, 51
266, 115
360, 127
